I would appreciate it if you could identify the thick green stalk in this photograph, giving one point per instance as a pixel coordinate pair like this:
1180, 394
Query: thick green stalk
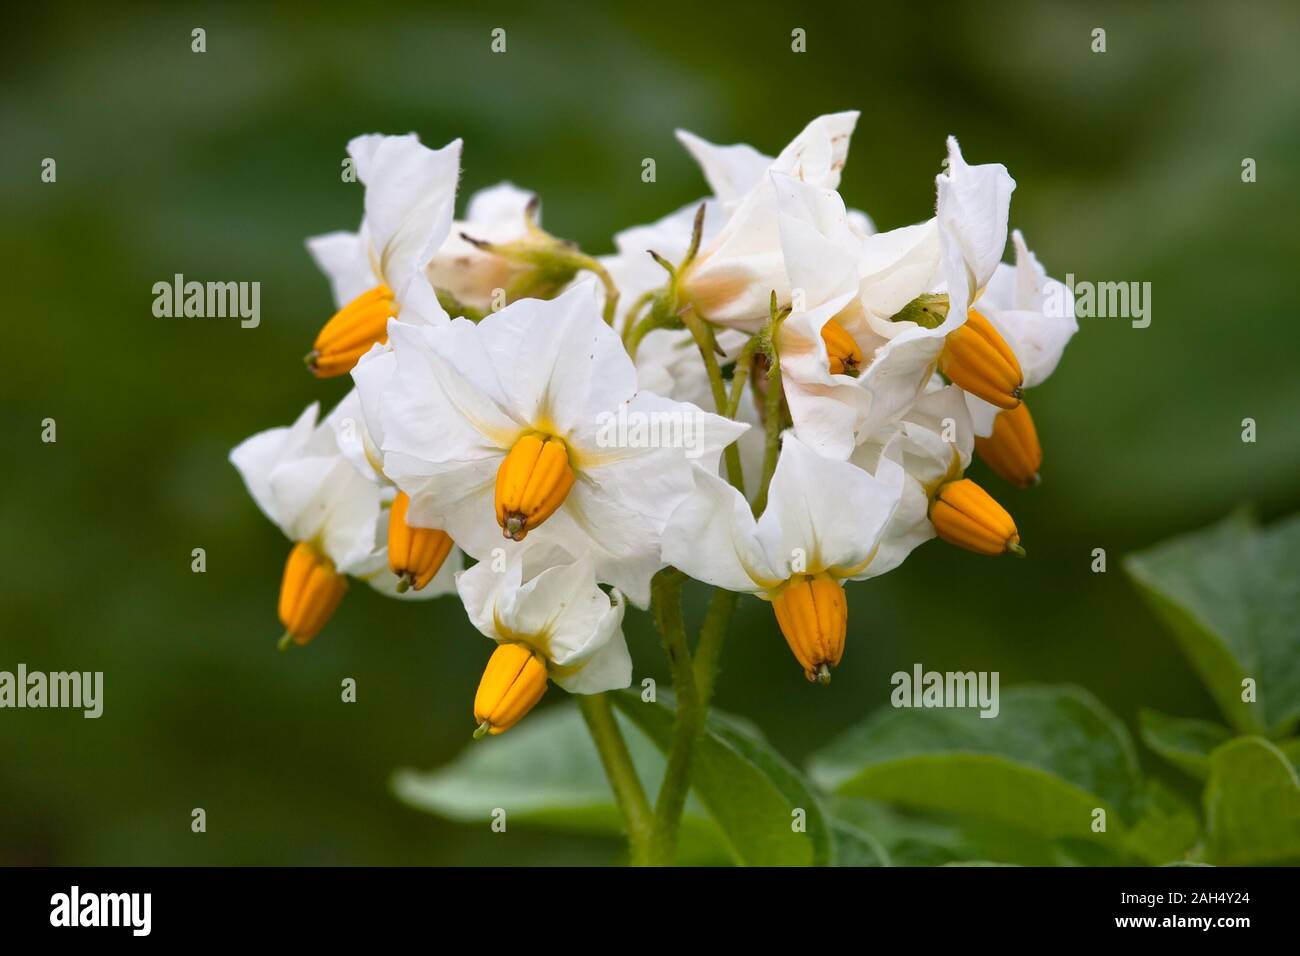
666, 603
620, 770
708, 650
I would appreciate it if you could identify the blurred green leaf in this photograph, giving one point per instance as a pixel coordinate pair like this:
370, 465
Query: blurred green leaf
1167, 829
1043, 765
1232, 597
1184, 742
854, 847
750, 791
912, 838
546, 773
1252, 805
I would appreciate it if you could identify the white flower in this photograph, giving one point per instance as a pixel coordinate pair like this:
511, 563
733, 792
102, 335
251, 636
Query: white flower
822, 524
336, 516
379, 271
731, 280
1034, 315
550, 602
470, 274
822, 515
853, 289
543, 392
932, 444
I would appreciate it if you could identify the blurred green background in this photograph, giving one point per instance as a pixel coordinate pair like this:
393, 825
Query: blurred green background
218, 165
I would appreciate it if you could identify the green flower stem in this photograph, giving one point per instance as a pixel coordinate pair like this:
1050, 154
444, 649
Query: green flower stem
708, 650
741, 374
582, 261
666, 603
620, 770
631, 322
702, 332
773, 419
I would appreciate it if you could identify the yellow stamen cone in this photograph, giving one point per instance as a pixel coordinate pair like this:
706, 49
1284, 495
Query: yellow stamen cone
964, 514
532, 483
844, 353
976, 358
512, 684
414, 554
813, 614
309, 592
1012, 451
350, 333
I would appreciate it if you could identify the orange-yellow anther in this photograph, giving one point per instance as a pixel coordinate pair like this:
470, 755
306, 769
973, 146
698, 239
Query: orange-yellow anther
532, 482
309, 593
414, 554
964, 514
1012, 451
350, 333
979, 360
512, 684
844, 353
814, 616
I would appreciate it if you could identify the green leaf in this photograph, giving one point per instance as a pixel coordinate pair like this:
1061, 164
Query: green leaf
1252, 805
853, 847
1232, 597
546, 773
1184, 742
925, 839
1168, 829
748, 789
1048, 760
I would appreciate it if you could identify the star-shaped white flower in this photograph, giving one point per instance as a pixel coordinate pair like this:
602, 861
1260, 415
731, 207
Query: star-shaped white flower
530, 423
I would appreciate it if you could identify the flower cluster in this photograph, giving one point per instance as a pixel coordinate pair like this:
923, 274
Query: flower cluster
760, 391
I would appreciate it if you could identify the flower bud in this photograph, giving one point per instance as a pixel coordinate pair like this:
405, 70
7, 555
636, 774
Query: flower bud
844, 353
309, 593
976, 358
532, 483
814, 614
512, 684
964, 514
350, 333
1012, 451
414, 554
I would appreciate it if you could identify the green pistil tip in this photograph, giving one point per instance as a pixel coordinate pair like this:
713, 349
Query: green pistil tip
1015, 549
482, 730
285, 642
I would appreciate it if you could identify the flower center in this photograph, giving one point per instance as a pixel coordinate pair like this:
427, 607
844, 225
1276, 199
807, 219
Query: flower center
1012, 451
350, 333
976, 358
814, 617
414, 554
309, 592
966, 515
512, 683
843, 351
532, 482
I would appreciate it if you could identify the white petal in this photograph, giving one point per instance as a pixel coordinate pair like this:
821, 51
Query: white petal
1033, 313
731, 171
504, 204
822, 514
712, 536
344, 257
973, 204
257, 457
558, 363
821, 251
410, 198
